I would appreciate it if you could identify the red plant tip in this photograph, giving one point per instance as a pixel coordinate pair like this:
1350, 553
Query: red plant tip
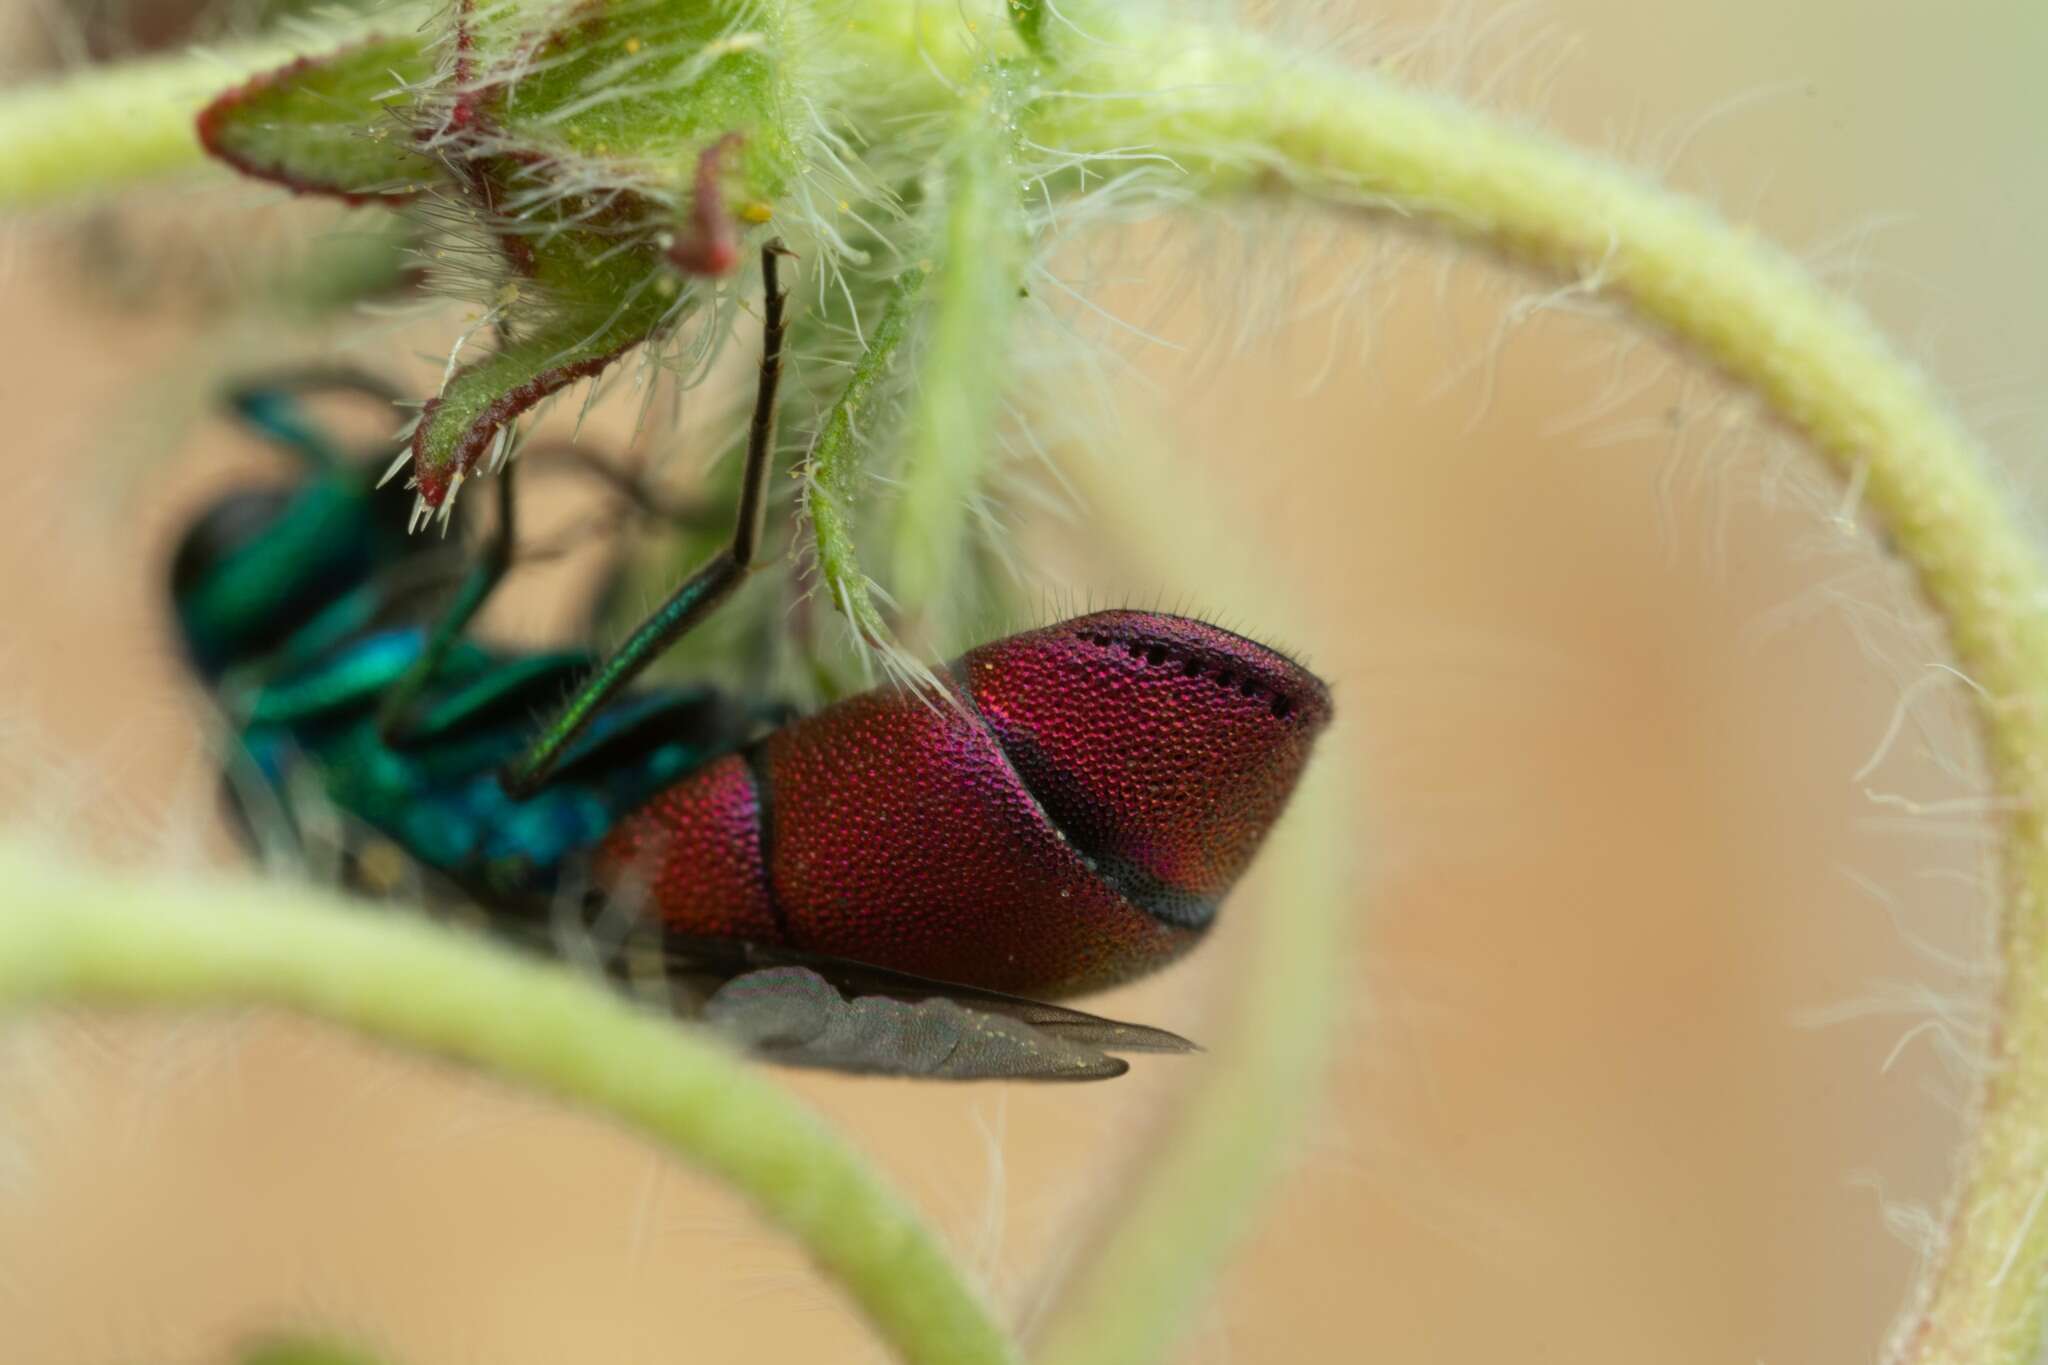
437, 467
711, 244
1163, 748
432, 486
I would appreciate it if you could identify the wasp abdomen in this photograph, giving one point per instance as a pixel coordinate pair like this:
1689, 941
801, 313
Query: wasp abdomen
696, 849
1072, 823
1164, 747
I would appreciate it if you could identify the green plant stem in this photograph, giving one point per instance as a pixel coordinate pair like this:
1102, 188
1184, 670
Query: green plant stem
1278, 124
836, 473
302, 1349
1232, 113
70, 935
1826, 371
107, 127
978, 263
1219, 111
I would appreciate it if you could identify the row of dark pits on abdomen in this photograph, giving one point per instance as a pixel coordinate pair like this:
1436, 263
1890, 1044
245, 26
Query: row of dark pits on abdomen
1159, 656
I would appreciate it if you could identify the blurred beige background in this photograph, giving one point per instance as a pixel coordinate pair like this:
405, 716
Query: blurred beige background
1660, 771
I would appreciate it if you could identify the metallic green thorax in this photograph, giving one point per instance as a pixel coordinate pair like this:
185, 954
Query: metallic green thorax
304, 606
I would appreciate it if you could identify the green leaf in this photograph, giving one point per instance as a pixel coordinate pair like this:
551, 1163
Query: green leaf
637, 90
598, 146
837, 472
606, 145
330, 125
613, 303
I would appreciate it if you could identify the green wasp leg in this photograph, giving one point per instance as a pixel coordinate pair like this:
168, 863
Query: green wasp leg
703, 592
394, 717
268, 403
398, 721
631, 488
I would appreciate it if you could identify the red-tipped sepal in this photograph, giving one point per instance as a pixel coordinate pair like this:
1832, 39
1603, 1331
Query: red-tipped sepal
332, 125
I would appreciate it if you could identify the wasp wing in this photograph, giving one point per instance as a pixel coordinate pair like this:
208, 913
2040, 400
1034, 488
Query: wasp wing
806, 1009
721, 958
795, 1016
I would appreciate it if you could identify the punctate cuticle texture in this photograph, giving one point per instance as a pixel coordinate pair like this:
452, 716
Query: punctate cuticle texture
1071, 818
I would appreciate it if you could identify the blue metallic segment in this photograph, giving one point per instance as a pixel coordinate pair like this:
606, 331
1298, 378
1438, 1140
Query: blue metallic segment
322, 545
303, 606
355, 673
440, 799
278, 414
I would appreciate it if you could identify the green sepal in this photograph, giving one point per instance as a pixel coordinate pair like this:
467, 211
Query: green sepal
589, 305
332, 125
632, 93
606, 148
837, 472
979, 251
615, 146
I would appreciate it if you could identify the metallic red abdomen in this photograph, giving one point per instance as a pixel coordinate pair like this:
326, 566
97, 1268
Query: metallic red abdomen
1071, 821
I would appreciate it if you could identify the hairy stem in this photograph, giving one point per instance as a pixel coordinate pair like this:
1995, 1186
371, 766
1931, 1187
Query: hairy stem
836, 472
111, 126
1215, 110
1231, 112
74, 936
977, 270
1272, 122
1825, 370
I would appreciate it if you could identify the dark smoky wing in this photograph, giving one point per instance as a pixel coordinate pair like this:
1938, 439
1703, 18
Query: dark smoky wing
801, 1009
1112, 1035
717, 958
795, 1016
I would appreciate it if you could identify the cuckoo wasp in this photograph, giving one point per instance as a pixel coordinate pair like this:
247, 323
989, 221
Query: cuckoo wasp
887, 885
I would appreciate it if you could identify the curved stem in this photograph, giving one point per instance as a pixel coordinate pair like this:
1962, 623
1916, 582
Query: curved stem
1234, 112
1824, 370
1216, 110
835, 473
69, 935
1224, 111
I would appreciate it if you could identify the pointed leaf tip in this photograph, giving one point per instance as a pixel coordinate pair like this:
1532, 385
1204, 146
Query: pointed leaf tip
328, 125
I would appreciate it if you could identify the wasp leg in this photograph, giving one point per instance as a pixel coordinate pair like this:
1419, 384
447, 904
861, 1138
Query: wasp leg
397, 718
629, 484
702, 593
269, 403
395, 715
